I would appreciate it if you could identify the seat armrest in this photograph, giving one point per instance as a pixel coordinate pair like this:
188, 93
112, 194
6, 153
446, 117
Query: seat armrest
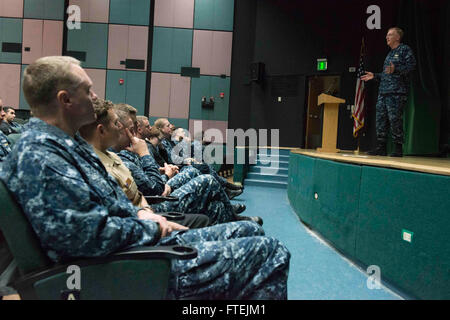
26, 282
172, 216
159, 199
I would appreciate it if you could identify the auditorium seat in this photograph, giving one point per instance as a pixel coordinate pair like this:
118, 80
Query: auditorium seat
137, 273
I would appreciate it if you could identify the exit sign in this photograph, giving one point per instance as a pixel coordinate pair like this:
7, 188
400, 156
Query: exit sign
322, 64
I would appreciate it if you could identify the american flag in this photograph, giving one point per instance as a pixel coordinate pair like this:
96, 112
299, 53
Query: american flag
358, 110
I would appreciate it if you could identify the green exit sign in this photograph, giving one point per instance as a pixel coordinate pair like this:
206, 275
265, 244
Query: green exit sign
322, 64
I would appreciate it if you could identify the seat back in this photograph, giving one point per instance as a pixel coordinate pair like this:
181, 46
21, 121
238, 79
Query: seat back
22, 241
13, 138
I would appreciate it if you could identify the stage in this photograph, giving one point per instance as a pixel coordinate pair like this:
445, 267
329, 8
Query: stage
420, 164
388, 212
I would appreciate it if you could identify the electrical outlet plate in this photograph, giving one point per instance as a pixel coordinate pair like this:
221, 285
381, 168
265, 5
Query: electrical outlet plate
407, 235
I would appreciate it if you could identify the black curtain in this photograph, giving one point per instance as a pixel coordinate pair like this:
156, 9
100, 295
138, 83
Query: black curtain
422, 121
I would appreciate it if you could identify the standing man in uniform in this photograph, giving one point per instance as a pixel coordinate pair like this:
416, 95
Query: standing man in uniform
393, 92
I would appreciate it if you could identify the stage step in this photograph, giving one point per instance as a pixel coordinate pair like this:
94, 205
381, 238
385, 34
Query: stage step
269, 171
268, 177
264, 183
269, 157
258, 169
273, 164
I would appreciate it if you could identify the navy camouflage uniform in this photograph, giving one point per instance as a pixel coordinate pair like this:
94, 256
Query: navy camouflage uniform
78, 210
196, 194
393, 93
178, 158
5, 146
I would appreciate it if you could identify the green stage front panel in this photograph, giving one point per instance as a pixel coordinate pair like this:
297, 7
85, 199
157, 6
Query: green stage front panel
209, 86
10, 40
44, 9
292, 174
130, 12
89, 44
403, 228
304, 180
127, 87
172, 49
214, 15
335, 204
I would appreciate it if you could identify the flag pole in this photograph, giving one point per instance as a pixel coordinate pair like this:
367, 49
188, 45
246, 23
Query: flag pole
361, 52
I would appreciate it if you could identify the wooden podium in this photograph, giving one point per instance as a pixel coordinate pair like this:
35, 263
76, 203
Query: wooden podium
330, 122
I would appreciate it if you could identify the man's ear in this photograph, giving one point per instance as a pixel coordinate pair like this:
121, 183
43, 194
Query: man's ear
63, 97
101, 128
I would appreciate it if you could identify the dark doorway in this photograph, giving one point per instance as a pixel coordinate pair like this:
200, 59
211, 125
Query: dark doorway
314, 114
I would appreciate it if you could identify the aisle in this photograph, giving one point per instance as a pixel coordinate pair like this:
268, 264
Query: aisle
317, 271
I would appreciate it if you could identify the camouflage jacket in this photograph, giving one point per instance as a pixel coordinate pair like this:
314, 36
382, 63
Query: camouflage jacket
403, 59
145, 173
75, 207
5, 146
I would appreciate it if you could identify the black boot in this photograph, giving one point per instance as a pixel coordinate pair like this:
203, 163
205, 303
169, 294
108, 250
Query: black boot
233, 186
380, 150
233, 193
256, 219
398, 150
238, 208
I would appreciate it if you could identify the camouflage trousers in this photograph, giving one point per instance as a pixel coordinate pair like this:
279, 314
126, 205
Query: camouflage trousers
390, 114
204, 195
235, 261
189, 172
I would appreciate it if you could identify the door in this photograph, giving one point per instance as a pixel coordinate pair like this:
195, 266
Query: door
314, 115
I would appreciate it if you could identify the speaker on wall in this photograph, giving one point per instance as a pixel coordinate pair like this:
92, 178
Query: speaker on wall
256, 71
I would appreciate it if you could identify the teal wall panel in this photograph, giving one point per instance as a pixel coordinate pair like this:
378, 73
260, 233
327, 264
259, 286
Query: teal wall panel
10, 31
132, 91
214, 15
116, 92
136, 84
335, 211
172, 49
131, 12
393, 200
209, 86
44, 9
92, 38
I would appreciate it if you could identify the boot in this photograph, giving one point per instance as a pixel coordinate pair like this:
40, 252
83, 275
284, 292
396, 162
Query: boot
238, 208
398, 150
233, 186
380, 150
233, 193
256, 219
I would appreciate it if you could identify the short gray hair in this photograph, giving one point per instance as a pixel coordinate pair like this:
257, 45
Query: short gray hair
399, 31
46, 76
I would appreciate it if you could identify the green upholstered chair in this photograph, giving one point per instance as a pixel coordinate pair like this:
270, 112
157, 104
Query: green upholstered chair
137, 273
13, 138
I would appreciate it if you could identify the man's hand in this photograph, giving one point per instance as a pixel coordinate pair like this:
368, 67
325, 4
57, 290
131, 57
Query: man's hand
368, 76
165, 226
169, 170
138, 146
390, 69
167, 190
